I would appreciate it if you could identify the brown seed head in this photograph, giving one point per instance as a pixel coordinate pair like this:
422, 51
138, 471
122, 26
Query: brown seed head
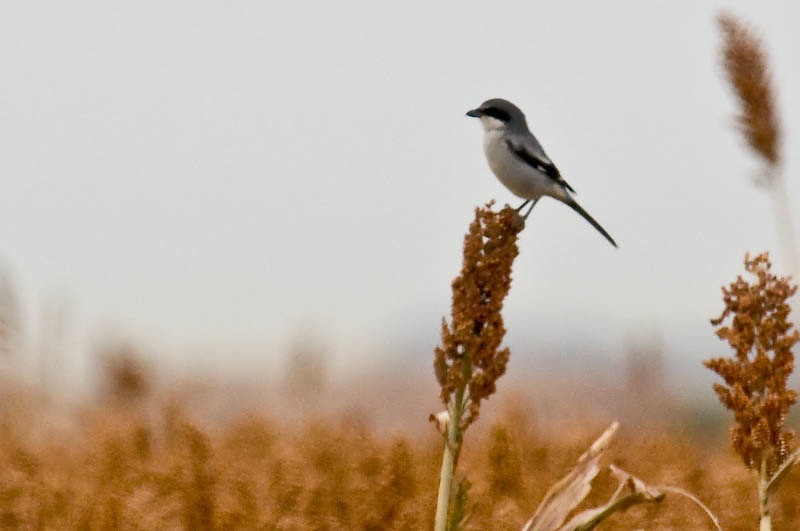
470, 351
745, 63
762, 338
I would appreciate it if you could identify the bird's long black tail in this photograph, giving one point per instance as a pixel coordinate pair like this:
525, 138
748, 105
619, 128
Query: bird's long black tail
577, 208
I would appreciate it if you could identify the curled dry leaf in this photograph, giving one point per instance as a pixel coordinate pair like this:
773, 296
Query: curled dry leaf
570, 491
637, 492
440, 420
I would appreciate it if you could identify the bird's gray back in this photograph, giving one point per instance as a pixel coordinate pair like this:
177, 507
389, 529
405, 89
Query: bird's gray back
524, 137
521, 178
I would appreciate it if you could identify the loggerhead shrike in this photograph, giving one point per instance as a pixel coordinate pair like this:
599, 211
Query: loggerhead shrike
519, 161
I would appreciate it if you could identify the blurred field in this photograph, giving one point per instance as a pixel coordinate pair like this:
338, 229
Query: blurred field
139, 456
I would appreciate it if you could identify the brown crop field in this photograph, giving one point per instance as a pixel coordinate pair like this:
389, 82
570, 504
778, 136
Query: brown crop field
132, 460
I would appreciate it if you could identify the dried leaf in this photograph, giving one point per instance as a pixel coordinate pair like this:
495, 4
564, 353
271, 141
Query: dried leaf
440, 420
570, 491
783, 470
639, 492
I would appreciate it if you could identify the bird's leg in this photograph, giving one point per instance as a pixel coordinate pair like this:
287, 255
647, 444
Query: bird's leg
533, 204
523, 205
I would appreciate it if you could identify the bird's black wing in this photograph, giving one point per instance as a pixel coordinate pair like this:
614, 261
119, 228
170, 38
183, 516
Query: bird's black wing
530, 155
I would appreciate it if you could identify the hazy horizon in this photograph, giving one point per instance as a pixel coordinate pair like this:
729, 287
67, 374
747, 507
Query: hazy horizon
228, 177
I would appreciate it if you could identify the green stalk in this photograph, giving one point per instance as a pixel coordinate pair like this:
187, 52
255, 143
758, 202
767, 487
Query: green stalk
452, 448
783, 217
445, 480
763, 497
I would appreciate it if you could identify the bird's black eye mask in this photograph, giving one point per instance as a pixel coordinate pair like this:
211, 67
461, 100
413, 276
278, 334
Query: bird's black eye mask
498, 114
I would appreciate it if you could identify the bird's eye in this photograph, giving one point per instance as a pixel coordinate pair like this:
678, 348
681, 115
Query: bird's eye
497, 113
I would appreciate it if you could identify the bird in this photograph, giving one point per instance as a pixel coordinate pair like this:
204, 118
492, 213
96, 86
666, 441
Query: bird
519, 161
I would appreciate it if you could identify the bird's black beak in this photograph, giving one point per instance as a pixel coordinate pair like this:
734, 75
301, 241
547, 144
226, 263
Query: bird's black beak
475, 113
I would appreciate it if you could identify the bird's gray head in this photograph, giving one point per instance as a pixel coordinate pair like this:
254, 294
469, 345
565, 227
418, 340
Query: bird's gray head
498, 113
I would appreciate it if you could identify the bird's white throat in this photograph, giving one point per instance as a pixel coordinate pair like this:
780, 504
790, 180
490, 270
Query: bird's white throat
491, 124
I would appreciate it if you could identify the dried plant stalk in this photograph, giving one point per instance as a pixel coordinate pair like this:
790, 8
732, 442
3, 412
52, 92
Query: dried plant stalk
469, 361
762, 338
470, 355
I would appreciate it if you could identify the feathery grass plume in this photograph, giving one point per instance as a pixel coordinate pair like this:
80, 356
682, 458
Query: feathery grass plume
469, 361
762, 338
745, 63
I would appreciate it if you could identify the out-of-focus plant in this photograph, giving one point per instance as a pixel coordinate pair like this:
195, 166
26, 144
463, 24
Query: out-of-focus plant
125, 377
470, 360
746, 67
10, 329
762, 337
745, 63
306, 370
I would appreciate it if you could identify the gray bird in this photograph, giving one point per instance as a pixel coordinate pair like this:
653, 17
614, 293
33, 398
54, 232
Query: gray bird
519, 161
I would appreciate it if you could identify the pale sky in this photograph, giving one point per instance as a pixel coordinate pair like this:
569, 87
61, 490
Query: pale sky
228, 175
